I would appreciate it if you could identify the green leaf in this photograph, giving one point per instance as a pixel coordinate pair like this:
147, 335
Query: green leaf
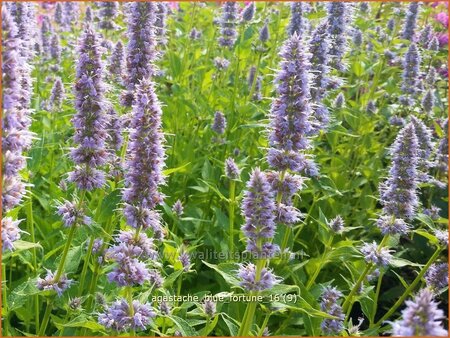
181, 168
232, 327
19, 246
227, 271
185, 327
401, 262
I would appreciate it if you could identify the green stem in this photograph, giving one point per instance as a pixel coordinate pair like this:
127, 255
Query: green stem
348, 303
85, 265
130, 305
321, 263
30, 225
4, 302
375, 300
264, 325
410, 288
44, 323
251, 307
231, 217
65, 252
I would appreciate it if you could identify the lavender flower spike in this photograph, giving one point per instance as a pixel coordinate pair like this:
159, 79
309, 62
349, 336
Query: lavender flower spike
329, 304
228, 24
247, 275
119, 316
249, 12
141, 49
55, 49
145, 160
90, 119
409, 26
160, 22
398, 193
411, 70
46, 32
220, 123
232, 171
10, 233
298, 23
116, 64
107, 13
421, 317
290, 116
338, 21
437, 276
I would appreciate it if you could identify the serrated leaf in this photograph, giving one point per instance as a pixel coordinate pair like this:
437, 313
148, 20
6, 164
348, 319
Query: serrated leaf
184, 326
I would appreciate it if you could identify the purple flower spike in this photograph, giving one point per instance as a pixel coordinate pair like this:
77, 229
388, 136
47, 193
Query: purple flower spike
290, 116
72, 214
398, 193
437, 276
49, 282
409, 26
247, 274
298, 23
220, 123
10, 233
177, 208
90, 120
185, 261
329, 304
249, 12
108, 11
258, 208
421, 317
228, 24
119, 317
144, 160
160, 22
378, 256
116, 63
58, 94
411, 71
141, 49
232, 171
338, 21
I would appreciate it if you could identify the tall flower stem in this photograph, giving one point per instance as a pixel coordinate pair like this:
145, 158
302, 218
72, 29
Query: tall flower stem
5, 318
231, 205
130, 305
410, 288
348, 303
251, 307
87, 258
375, 301
30, 226
60, 269
253, 88
322, 262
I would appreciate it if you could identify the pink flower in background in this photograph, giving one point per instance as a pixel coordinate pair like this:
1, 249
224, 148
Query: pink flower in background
174, 5
443, 39
442, 18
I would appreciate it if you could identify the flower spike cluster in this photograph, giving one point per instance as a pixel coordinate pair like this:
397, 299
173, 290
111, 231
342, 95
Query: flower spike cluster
228, 24
141, 49
398, 193
290, 116
90, 119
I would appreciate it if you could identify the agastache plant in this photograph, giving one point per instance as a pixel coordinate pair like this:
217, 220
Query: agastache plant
90, 119
145, 159
228, 24
116, 65
258, 208
410, 24
398, 194
290, 116
319, 48
410, 77
16, 137
141, 51
298, 23
421, 317
338, 21
161, 22
108, 11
